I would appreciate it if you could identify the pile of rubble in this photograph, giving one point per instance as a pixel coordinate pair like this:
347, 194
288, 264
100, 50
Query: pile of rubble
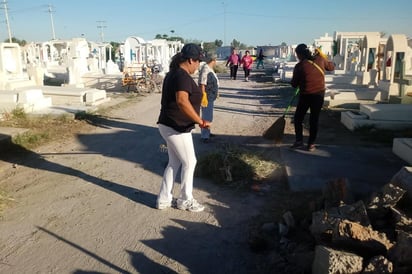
348, 236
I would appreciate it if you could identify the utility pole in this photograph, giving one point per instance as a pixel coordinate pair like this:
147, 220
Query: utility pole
50, 10
224, 23
6, 13
101, 26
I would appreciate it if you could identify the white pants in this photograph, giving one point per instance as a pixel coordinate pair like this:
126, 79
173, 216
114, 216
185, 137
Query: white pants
181, 154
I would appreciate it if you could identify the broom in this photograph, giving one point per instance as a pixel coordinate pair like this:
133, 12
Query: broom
276, 130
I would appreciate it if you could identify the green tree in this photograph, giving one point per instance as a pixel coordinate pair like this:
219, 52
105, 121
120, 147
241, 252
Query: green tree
169, 38
218, 43
235, 43
243, 46
22, 43
194, 41
176, 38
209, 47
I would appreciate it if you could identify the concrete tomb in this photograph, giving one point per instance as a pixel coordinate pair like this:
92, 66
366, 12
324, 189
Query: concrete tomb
397, 72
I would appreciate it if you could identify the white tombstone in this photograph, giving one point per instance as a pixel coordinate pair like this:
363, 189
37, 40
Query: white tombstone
346, 46
10, 59
371, 60
77, 61
397, 67
11, 68
326, 44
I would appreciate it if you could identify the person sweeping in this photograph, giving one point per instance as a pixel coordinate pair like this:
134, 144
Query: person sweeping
309, 77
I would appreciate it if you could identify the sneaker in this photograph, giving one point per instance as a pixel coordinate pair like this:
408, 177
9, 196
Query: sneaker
190, 205
163, 205
311, 147
297, 145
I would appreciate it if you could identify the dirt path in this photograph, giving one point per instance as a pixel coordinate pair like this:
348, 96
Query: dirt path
86, 205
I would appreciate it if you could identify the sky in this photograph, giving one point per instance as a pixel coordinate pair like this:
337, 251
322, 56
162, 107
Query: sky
254, 23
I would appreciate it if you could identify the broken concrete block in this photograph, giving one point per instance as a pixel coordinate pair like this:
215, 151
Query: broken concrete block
389, 196
378, 265
400, 253
403, 179
323, 222
360, 239
328, 260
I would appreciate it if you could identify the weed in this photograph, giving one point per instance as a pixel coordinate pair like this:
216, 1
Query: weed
18, 113
220, 68
31, 139
234, 165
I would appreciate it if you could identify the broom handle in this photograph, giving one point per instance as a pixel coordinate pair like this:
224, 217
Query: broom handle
291, 101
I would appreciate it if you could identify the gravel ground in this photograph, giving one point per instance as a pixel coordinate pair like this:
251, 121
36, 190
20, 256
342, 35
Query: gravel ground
86, 204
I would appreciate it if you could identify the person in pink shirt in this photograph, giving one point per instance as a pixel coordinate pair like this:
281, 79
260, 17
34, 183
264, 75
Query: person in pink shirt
233, 61
247, 62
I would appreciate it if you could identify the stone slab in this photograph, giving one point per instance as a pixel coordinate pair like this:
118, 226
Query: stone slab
367, 169
35, 105
30, 95
95, 96
353, 122
388, 112
7, 96
371, 95
74, 95
402, 147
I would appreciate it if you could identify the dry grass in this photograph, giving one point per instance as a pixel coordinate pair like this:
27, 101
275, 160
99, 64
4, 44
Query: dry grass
41, 129
236, 166
47, 128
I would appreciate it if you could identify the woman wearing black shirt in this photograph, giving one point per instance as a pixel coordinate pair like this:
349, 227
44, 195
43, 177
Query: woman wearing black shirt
180, 109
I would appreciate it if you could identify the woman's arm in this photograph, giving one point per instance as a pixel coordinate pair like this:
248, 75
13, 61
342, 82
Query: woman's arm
182, 100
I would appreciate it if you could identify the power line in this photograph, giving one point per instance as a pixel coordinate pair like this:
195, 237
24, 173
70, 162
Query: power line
29, 9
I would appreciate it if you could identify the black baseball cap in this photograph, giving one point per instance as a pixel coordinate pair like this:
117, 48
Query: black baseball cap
301, 48
193, 51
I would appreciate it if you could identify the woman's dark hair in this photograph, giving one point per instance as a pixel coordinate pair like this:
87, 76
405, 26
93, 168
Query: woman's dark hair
177, 59
304, 51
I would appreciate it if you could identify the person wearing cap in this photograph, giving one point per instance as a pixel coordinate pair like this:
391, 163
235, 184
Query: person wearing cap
309, 77
179, 113
209, 84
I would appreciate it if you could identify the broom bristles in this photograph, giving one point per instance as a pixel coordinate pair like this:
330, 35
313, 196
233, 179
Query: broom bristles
276, 130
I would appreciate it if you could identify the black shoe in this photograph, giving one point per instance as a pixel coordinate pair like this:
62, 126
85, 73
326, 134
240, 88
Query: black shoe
297, 145
205, 140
